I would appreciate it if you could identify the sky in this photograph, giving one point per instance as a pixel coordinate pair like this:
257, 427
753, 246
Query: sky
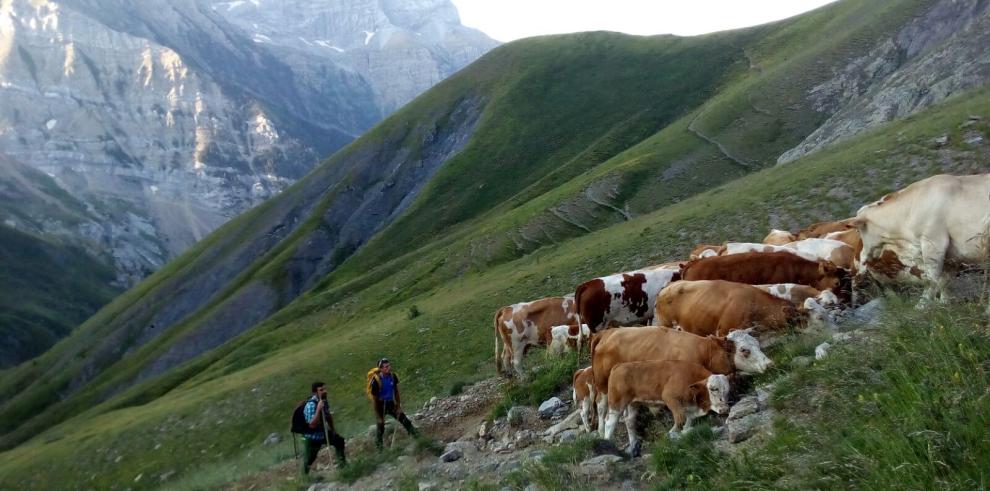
506, 20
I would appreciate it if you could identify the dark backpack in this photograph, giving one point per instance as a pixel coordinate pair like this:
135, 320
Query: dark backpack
299, 422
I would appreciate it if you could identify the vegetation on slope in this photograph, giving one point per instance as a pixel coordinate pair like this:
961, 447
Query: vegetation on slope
32, 319
264, 371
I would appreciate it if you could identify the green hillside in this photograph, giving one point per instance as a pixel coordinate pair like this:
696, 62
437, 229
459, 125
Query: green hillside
592, 154
46, 290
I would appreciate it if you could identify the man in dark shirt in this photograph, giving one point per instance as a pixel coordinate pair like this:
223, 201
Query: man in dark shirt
386, 400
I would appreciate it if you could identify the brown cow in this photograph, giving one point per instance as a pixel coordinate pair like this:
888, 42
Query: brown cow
719, 307
584, 394
850, 237
739, 351
528, 324
757, 268
686, 388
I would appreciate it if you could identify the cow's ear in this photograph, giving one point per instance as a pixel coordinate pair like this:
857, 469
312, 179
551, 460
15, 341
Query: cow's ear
858, 223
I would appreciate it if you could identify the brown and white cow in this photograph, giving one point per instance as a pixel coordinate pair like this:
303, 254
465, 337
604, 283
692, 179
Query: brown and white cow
704, 250
526, 324
779, 237
808, 300
686, 388
743, 247
623, 299
566, 336
834, 251
916, 233
719, 307
583, 394
738, 351
850, 237
818, 230
770, 267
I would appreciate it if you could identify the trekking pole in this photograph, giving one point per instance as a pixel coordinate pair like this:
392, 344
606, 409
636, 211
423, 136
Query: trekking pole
295, 451
326, 432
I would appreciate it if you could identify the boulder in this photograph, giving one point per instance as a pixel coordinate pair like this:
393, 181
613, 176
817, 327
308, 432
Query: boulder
518, 416
599, 465
549, 407
569, 435
451, 455
821, 351
272, 439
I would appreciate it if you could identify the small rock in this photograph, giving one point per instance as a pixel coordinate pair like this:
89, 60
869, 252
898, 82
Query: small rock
550, 406
605, 447
524, 438
746, 406
484, 430
569, 435
598, 465
517, 416
138, 478
941, 141
427, 486
821, 351
272, 439
973, 139
868, 313
165, 476
537, 455
466, 448
801, 361
531, 487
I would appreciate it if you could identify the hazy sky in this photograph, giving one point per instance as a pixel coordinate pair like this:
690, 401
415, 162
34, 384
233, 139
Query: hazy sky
506, 20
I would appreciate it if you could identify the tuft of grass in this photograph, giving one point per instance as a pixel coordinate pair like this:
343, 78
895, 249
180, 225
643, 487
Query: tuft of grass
542, 383
366, 464
688, 461
413, 312
458, 387
909, 405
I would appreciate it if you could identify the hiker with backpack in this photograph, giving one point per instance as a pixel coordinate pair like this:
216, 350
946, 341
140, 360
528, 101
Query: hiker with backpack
313, 419
383, 390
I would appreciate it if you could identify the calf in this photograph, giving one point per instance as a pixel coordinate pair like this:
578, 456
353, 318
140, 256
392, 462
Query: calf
563, 337
834, 251
687, 389
719, 307
738, 351
584, 394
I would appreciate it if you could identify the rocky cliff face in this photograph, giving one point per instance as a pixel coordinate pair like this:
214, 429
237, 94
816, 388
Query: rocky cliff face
941, 53
167, 119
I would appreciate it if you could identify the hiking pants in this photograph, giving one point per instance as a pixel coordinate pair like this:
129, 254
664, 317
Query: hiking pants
388, 407
311, 449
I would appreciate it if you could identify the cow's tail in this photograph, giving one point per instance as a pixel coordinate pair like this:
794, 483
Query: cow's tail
498, 359
580, 319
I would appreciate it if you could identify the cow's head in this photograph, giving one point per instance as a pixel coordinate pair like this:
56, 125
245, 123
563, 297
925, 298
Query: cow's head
834, 279
712, 393
746, 353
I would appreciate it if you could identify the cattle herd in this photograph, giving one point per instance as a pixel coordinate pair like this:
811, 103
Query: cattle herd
689, 327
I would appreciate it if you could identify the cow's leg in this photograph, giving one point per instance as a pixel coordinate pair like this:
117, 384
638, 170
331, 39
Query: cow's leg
678, 412
611, 421
630, 418
933, 260
602, 398
586, 403
519, 352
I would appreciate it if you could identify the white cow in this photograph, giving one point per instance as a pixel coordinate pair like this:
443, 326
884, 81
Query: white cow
914, 233
565, 336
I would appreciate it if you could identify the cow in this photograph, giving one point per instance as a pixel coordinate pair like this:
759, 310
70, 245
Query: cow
528, 324
623, 299
757, 268
797, 294
719, 307
686, 388
704, 250
564, 337
743, 247
914, 234
850, 237
779, 237
834, 251
583, 394
738, 351
817, 230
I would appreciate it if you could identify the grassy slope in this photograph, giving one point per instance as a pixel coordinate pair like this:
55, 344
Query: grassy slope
262, 373
46, 290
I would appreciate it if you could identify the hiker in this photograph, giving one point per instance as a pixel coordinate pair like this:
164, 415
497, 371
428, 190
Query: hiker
383, 389
320, 420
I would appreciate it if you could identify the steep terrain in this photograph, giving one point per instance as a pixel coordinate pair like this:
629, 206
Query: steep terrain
547, 161
153, 124
169, 118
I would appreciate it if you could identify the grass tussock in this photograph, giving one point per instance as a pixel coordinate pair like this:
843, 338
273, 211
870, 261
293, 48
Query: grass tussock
908, 404
553, 470
543, 382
